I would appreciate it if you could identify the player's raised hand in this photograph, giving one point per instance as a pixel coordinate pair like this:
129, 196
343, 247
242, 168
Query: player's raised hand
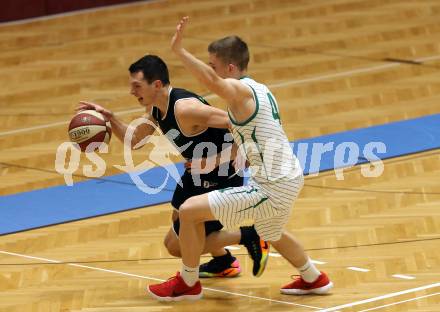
83, 105
176, 41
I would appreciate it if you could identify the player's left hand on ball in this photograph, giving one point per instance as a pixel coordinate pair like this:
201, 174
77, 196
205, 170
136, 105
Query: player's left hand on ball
83, 105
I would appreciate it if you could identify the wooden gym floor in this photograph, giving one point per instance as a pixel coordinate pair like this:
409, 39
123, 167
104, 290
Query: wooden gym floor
378, 238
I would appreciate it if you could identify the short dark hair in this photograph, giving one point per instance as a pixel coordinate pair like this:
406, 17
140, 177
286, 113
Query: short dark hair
231, 50
153, 67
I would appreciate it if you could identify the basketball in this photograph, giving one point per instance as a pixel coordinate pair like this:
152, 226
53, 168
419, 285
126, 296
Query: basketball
87, 127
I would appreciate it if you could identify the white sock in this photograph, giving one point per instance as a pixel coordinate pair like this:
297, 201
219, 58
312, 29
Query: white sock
190, 275
309, 272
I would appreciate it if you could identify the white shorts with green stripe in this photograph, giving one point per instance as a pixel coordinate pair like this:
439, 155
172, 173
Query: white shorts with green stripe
268, 206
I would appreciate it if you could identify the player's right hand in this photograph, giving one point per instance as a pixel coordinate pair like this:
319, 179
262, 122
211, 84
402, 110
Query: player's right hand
176, 41
83, 105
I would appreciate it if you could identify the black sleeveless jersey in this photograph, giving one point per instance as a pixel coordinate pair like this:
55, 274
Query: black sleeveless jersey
206, 143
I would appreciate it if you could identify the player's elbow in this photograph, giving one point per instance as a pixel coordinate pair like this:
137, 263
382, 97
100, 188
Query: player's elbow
214, 83
227, 123
223, 89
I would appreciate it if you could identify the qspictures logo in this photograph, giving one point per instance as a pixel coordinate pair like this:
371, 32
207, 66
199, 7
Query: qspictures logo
272, 160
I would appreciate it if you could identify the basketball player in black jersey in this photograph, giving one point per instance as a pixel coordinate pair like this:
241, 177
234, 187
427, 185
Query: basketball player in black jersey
188, 121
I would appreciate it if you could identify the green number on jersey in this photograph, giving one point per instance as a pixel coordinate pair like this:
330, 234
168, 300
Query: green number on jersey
273, 103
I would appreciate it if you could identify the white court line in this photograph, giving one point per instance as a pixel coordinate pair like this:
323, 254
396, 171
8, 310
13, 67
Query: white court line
232, 247
28, 257
156, 279
358, 269
274, 254
60, 123
115, 272
275, 85
390, 295
427, 58
399, 302
348, 73
343, 74
317, 261
407, 277
5, 133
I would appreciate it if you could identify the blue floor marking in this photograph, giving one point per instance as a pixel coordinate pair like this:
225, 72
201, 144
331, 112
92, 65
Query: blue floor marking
60, 204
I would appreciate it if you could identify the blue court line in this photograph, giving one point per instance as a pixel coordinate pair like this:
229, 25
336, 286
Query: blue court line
91, 198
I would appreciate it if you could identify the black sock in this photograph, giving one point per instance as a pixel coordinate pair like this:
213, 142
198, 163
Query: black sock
225, 257
247, 234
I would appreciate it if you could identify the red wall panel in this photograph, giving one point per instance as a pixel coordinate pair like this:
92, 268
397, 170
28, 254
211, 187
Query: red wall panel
11, 10
17, 9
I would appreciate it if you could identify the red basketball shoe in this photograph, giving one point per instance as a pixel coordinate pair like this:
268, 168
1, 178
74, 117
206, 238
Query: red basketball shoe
300, 287
175, 289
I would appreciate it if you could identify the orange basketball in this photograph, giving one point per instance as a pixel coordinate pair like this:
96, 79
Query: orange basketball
87, 127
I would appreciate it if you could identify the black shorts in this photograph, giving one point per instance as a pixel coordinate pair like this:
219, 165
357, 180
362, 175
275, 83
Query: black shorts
208, 182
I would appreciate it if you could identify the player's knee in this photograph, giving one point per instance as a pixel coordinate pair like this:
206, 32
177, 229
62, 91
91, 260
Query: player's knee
274, 241
185, 214
273, 238
193, 211
172, 246
173, 250
175, 215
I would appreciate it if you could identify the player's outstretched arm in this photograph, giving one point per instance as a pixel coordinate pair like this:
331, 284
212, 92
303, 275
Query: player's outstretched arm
229, 89
119, 128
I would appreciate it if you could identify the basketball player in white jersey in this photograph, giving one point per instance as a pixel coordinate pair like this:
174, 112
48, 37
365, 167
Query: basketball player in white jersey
276, 178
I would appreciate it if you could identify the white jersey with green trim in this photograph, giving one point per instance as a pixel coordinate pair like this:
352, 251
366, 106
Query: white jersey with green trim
262, 139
